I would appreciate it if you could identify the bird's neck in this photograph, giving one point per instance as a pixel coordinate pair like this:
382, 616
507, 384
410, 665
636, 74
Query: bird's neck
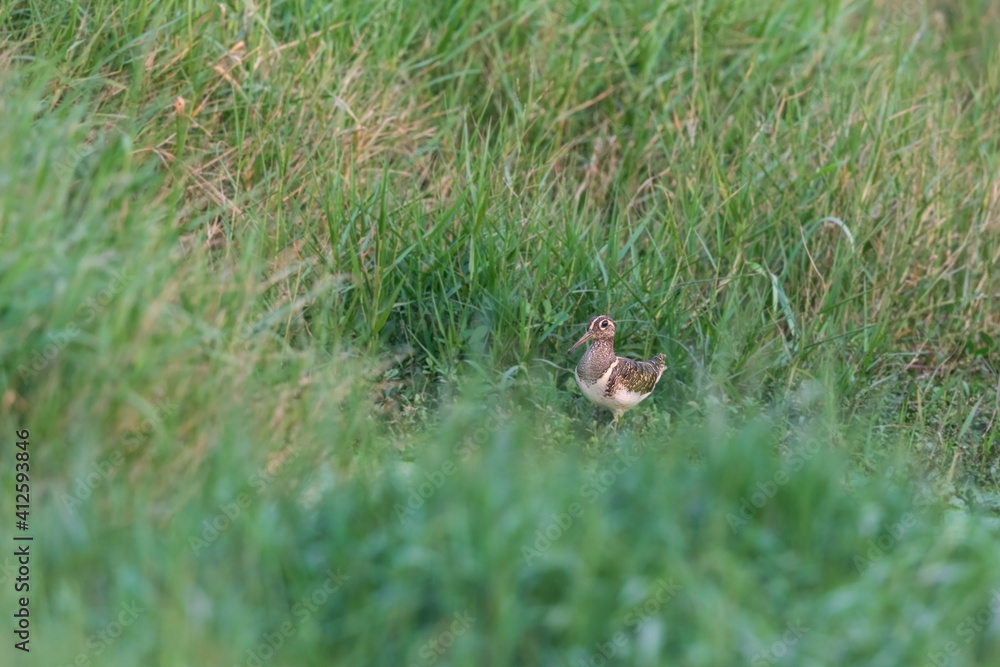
597, 359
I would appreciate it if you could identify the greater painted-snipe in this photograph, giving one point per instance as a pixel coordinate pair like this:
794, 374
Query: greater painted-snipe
613, 382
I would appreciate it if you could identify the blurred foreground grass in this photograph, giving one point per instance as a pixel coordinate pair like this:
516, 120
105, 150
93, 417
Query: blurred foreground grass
286, 289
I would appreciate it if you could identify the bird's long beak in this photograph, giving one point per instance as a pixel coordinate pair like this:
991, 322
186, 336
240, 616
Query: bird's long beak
587, 336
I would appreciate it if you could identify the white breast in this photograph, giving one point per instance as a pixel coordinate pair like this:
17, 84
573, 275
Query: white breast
626, 399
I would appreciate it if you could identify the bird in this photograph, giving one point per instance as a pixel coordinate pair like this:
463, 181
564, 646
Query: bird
613, 382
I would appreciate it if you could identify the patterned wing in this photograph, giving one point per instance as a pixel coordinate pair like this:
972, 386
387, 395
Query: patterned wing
638, 376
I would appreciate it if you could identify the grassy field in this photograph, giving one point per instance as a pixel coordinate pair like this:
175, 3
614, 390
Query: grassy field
286, 289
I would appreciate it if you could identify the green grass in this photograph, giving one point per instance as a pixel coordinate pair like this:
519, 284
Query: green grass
286, 290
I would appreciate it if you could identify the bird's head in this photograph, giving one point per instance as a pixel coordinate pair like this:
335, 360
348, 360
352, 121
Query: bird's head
601, 327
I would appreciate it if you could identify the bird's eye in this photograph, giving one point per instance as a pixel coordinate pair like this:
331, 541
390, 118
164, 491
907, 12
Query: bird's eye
604, 324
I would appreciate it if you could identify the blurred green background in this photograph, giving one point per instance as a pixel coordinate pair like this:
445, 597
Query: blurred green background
286, 290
